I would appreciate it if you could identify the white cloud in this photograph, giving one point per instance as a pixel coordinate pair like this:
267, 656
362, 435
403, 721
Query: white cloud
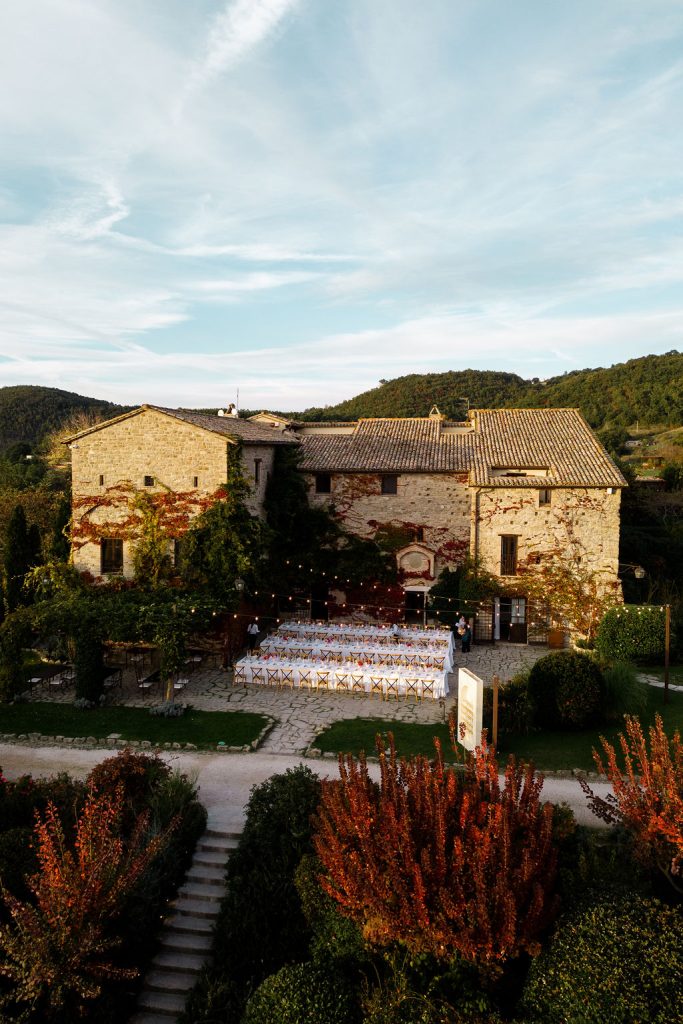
235, 32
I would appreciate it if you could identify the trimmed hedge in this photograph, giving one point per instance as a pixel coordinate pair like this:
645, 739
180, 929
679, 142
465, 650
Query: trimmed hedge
302, 994
632, 633
618, 961
566, 691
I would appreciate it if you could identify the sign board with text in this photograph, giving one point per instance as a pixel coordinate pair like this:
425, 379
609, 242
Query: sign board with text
470, 709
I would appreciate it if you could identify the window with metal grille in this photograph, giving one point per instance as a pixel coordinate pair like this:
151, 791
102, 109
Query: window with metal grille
508, 555
390, 484
111, 556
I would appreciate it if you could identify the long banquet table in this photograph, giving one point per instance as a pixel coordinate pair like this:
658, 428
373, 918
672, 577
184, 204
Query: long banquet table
383, 680
410, 655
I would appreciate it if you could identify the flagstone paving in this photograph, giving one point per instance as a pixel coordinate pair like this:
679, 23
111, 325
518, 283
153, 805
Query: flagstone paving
300, 715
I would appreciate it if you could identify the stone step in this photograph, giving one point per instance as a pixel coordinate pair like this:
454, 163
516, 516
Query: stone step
224, 847
212, 858
177, 960
169, 981
215, 830
200, 891
186, 942
187, 907
168, 1003
189, 923
206, 874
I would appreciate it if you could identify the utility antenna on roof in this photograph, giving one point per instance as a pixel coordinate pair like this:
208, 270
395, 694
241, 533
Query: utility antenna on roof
237, 402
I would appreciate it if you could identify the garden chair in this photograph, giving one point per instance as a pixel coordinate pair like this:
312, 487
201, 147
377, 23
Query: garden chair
273, 676
239, 676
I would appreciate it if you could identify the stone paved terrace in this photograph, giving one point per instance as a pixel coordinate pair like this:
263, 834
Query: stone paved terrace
301, 715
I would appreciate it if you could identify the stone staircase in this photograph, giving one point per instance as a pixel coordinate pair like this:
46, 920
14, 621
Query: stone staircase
186, 934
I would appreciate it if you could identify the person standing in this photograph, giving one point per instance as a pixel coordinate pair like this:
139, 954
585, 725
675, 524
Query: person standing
466, 638
252, 635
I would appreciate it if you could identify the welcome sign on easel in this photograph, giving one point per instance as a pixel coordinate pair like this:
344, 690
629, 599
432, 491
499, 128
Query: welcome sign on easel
470, 708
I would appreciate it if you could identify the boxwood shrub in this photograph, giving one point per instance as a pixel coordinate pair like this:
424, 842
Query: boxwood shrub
302, 994
616, 961
631, 633
566, 691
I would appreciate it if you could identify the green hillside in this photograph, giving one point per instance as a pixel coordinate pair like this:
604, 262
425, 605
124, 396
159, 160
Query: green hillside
28, 413
647, 390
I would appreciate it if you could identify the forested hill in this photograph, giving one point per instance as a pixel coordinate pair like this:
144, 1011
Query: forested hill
28, 413
647, 390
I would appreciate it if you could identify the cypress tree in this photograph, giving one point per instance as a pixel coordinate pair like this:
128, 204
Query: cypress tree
17, 557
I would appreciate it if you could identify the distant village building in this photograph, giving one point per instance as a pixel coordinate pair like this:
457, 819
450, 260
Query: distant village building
507, 487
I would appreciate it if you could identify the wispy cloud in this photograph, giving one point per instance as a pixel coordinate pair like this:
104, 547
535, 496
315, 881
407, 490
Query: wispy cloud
234, 33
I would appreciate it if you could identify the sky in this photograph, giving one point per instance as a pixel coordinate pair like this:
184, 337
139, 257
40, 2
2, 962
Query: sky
291, 200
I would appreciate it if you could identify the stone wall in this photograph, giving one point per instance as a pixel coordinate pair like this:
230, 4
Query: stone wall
581, 523
110, 466
439, 503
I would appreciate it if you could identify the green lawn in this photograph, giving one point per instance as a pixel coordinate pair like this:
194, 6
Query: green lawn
351, 735
203, 728
549, 751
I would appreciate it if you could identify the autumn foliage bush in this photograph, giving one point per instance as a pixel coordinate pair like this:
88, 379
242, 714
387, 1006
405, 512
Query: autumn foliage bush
647, 795
440, 860
57, 949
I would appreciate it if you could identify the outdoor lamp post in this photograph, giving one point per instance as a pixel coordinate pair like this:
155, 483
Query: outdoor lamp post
239, 585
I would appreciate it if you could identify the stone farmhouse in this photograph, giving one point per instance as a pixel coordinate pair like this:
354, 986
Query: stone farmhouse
509, 487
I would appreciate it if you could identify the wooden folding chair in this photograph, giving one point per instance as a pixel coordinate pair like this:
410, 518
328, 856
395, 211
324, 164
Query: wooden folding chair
286, 678
357, 682
323, 679
258, 676
239, 676
306, 680
392, 689
273, 676
427, 688
377, 684
343, 681
413, 688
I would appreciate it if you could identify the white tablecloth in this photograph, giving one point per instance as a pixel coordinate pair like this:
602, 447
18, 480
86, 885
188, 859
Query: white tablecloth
374, 678
434, 656
332, 632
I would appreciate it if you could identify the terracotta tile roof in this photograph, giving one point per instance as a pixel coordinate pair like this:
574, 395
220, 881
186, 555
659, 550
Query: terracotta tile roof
228, 426
557, 441
231, 426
